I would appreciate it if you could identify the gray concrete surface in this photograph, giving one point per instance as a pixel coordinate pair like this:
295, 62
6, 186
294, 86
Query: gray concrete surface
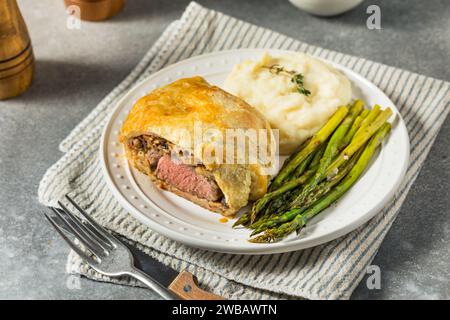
77, 68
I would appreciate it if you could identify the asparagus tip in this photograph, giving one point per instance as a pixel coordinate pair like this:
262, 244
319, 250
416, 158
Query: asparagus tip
264, 238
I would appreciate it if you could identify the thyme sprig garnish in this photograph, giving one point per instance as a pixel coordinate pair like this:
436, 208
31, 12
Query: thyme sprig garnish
296, 78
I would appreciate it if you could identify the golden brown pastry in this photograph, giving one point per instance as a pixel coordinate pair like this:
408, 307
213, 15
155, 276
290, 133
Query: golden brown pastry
161, 138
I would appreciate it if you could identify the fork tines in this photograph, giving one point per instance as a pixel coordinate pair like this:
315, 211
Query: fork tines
91, 235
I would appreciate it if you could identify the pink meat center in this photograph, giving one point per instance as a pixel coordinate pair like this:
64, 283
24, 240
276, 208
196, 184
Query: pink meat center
186, 179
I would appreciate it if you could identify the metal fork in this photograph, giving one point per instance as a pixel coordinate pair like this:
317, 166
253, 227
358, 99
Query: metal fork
104, 252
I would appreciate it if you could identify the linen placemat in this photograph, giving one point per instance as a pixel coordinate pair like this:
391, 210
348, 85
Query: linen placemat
328, 271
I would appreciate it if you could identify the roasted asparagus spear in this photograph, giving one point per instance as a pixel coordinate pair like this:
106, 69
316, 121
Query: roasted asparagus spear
300, 220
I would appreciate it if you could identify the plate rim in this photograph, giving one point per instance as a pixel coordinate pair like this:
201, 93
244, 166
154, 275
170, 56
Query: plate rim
228, 247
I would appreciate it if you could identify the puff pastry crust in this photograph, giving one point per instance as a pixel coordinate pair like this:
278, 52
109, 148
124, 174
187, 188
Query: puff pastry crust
174, 113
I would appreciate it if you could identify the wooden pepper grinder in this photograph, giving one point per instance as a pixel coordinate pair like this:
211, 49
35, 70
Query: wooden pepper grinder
16, 53
96, 10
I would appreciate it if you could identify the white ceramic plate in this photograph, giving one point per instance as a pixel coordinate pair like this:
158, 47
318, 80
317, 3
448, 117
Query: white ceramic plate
192, 225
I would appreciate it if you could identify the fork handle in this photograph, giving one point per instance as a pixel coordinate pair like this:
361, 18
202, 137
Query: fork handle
165, 293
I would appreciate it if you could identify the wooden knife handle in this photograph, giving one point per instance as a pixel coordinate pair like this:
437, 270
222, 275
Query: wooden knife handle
186, 287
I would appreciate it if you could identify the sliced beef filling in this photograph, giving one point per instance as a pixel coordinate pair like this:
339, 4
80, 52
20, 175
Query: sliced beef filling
195, 180
188, 179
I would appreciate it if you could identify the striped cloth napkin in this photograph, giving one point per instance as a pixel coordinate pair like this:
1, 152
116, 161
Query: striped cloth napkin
329, 271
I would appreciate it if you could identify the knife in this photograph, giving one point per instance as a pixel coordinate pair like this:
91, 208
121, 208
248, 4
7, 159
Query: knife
184, 284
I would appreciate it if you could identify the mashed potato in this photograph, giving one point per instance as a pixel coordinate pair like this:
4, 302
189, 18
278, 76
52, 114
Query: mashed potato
297, 116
